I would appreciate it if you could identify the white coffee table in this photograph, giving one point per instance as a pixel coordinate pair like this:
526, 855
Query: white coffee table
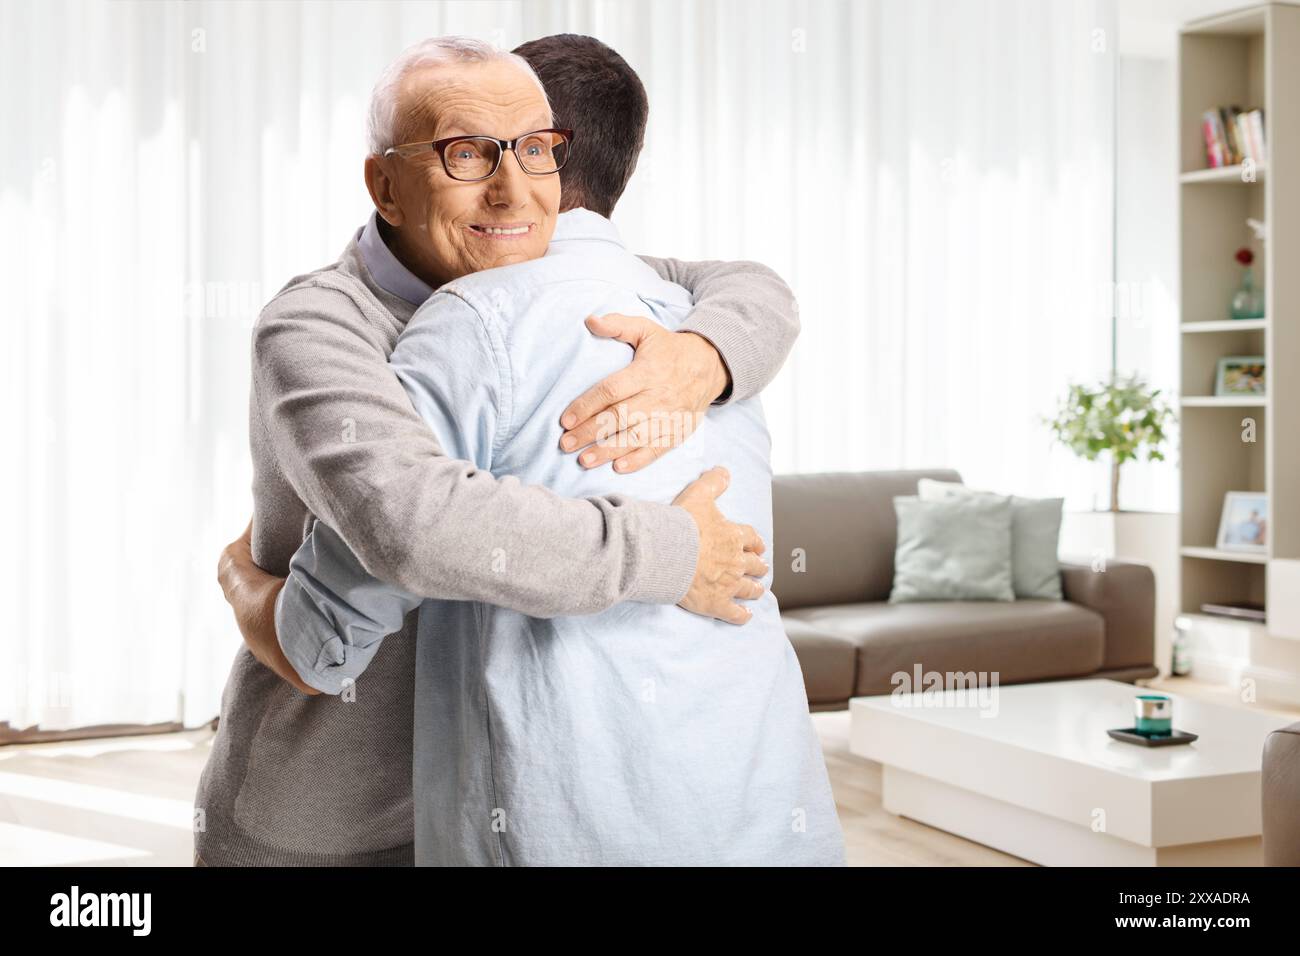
1038, 777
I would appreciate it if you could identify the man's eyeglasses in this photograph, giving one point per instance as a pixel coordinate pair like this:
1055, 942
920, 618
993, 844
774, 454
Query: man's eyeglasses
470, 159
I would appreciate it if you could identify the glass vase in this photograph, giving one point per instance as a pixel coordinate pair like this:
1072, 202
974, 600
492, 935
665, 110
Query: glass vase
1248, 301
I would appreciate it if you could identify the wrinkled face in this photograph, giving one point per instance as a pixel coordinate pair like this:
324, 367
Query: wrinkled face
446, 228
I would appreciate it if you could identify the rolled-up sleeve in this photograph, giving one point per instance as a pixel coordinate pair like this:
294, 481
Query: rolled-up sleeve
331, 616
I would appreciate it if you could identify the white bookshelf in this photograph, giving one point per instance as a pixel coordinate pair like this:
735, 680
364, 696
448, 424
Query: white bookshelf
1248, 58
1224, 401
1215, 554
1224, 174
1227, 325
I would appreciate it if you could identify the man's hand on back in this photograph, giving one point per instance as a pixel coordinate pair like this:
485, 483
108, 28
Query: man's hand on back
729, 559
251, 593
639, 412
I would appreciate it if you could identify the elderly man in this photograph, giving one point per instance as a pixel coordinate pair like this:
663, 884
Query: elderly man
326, 780
639, 735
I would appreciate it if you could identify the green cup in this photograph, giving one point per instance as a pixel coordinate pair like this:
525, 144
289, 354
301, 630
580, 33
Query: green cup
1155, 714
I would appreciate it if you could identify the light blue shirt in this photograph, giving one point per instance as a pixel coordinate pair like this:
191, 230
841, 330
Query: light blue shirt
641, 735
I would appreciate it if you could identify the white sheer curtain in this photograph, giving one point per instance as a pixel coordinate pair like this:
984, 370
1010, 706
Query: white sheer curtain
933, 178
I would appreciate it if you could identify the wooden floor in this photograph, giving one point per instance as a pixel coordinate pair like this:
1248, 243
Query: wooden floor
129, 801
873, 835
117, 801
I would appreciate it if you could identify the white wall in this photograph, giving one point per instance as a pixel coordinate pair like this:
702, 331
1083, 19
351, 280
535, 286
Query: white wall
1146, 256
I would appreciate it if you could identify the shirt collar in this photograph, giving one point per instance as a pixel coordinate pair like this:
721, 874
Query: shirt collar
389, 274
585, 224
394, 278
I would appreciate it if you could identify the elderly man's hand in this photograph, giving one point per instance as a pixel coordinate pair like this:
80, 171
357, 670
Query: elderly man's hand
728, 565
639, 412
251, 593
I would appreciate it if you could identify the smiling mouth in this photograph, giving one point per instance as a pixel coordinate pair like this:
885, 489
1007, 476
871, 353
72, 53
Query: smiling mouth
508, 230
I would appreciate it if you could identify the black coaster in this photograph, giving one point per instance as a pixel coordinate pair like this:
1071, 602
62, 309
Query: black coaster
1129, 735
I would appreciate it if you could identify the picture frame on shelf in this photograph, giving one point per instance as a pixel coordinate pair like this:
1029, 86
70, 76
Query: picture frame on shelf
1243, 525
1239, 375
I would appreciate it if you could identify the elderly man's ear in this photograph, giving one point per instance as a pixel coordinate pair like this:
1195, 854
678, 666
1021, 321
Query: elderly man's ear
383, 188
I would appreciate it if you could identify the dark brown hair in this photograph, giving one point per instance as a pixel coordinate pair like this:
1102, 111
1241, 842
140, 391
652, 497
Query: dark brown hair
596, 94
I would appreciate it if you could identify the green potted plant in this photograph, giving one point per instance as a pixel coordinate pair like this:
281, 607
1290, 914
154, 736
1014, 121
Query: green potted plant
1122, 418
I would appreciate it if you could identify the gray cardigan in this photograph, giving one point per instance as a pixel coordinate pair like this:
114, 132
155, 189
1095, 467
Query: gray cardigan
297, 780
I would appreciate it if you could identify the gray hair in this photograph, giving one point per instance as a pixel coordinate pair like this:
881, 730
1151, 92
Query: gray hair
381, 122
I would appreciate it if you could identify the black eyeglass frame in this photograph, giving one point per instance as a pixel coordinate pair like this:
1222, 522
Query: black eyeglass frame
439, 147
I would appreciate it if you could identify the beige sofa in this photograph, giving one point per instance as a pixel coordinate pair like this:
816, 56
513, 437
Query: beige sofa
840, 528
1280, 793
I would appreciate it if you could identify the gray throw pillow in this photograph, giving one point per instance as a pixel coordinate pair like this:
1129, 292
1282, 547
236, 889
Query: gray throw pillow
1035, 537
955, 549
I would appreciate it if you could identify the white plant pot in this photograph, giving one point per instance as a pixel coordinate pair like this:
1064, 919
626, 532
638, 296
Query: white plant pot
1147, 537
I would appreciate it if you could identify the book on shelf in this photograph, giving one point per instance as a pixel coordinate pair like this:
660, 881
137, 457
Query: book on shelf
1233, 136
1244, 611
